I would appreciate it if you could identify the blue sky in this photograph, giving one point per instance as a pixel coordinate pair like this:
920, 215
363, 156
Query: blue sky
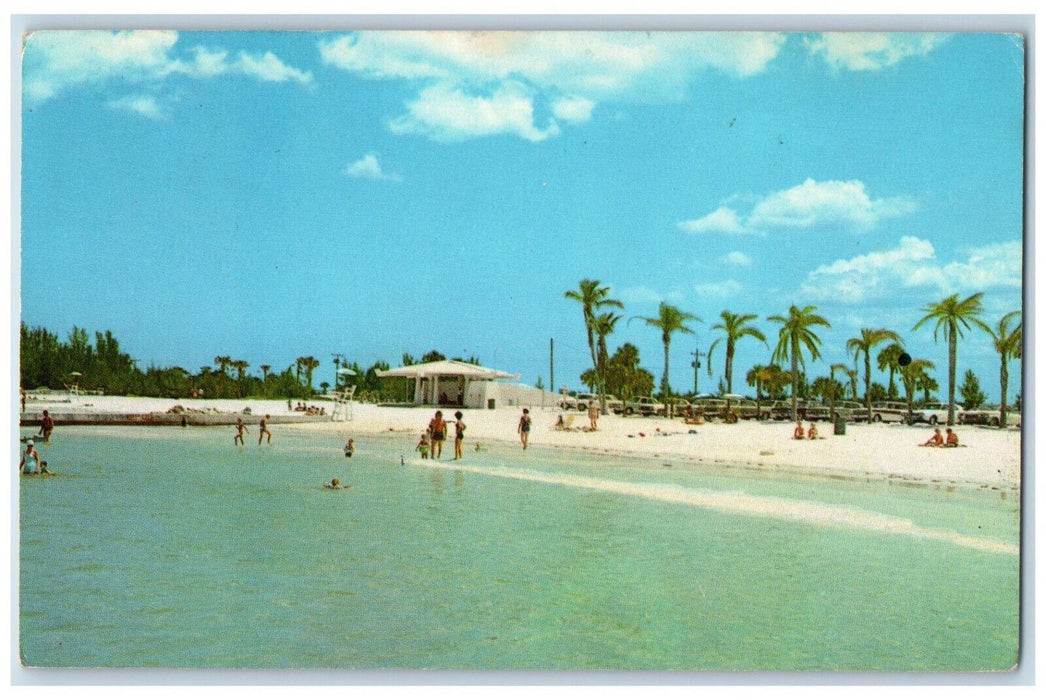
269, 195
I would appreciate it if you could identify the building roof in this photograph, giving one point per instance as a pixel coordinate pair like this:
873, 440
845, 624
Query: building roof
446, 368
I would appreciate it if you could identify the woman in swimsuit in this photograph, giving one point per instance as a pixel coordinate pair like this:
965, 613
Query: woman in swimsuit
524, 428
30, 463
438, 431
240, 430
459, 435
798, 434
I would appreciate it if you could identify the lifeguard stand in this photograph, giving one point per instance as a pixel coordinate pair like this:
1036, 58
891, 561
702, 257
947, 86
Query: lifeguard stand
343, 404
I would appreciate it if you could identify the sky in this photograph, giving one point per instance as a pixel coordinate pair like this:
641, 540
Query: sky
268, 195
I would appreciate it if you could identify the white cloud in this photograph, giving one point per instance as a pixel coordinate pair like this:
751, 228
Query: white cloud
447, 113
640, 295
736, 258
809, 205
368, 168
722, 220
914, 264
144, 105
573, 109
56, 61
871, 50
720, 290
569, 73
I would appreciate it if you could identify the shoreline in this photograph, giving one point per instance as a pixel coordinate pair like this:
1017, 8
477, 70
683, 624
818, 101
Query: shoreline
877, 452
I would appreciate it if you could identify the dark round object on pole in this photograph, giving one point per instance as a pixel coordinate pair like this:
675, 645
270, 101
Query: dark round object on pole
904, 360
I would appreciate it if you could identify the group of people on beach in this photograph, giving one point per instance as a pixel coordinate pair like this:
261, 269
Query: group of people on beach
951, 439
809, 434
263, 431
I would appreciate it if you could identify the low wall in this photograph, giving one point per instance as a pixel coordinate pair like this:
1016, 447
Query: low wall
156, 418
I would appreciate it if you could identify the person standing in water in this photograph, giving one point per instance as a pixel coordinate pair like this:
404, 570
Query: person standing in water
263, 430
459, 435
46, 426
524, 427
241, 429
438, 433
31, 463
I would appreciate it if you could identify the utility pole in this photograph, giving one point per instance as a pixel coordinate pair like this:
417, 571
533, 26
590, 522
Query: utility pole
696, 364
552, 365
338, 358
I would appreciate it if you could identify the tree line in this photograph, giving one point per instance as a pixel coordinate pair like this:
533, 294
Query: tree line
796, 341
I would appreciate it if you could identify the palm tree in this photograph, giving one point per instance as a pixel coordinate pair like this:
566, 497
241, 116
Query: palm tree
265, 372
223, 362
864, 343
888, 361
736, 327
911, 375
669, 320
1007, 342
298, 364
758, 376
952, 316
592, 296
603, 325
308, 364
838, 367
794, 335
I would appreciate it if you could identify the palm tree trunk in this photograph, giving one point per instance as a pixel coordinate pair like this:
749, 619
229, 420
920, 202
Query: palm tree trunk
868, 382
1004, 379
795, 377
951, 375
664, 377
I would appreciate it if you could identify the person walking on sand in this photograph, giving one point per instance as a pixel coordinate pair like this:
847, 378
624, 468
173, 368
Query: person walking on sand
798, 434
459, 435
524, 427
46, 426
263, 430
438, 433
241, 429
593, 415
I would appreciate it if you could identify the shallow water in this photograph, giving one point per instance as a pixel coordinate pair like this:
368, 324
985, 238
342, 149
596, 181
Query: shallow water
172, 548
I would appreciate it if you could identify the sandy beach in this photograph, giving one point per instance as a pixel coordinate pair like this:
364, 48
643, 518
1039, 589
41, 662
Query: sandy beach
989, 458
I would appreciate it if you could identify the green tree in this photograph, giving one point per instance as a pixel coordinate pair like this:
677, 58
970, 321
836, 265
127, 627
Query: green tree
624, 377
736, 327
795, 334
863, 344
309, 364
972, 396
952, 316
837, 388
433, 356
669, 320
603, 325
888, 361
911, 375
593, 296
1007, 342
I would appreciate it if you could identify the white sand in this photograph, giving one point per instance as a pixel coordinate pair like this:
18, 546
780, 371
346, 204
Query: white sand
990, 458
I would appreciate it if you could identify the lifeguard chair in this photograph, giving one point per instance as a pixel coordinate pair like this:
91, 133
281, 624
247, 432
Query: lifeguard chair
343, 403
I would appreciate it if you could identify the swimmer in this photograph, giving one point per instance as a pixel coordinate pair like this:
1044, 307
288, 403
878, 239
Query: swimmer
350, 447
333, 484
798, 434
30, 463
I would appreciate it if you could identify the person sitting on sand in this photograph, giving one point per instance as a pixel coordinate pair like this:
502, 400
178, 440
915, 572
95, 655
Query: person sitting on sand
241, 430
798, 434
423, 446
350, 447
437, 433
263, 430
333, 484
936, 440
952, 439
811, 432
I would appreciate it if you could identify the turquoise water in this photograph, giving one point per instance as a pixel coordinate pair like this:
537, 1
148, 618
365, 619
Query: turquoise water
172, 548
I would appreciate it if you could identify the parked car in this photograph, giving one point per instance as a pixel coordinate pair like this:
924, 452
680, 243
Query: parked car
782, 410
583, 400
644, 406
614, 404
931, 413
890, 412
851, 411
813, 411
988, 416
745, 409
566, 401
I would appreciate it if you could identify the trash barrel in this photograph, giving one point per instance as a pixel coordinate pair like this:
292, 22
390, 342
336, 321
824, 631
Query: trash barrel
490, 404
840, 425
